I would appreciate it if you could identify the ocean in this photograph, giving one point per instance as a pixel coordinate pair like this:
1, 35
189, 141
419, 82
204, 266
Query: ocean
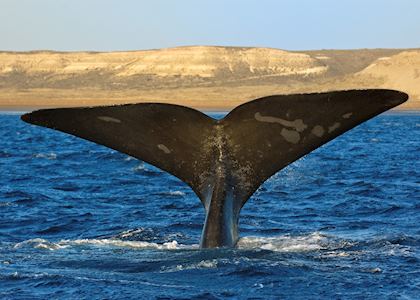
81, 221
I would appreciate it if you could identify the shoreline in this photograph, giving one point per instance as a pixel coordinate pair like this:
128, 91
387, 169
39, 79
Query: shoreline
204, 99
207, 109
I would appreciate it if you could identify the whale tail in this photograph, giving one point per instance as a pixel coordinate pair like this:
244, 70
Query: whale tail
223, 161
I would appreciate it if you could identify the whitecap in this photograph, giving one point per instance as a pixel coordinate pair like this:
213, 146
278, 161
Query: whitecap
204, 264
305, 243
40, 244
49, 156
120, 243
333, 254
130, 232
286, 243
176, 193
140, 167
375, 270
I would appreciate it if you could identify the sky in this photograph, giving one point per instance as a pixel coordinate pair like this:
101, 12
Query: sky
108, 25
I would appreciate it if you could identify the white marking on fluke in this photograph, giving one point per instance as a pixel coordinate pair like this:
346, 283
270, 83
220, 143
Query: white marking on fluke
347, 115
290, 135
333, 127
164, 148
109, 119
318, 130
296, 124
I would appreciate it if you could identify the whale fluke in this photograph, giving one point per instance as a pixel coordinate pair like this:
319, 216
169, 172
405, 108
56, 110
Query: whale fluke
223, 161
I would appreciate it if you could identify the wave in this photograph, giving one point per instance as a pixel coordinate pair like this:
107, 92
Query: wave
316, 243
45, 244
287, 243
203, 264
40, 244
145, 169
130, 233
50, 156
176, 193
126, 244
52, 279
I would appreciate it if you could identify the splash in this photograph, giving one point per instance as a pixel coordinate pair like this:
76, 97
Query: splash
286, 243
315, 241
40, 244
305, 243
47, 245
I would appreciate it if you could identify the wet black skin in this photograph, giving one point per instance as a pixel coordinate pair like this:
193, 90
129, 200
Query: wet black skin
222, 217
223, 161
222, 212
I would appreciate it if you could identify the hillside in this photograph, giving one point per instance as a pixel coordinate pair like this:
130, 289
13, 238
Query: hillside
203, 77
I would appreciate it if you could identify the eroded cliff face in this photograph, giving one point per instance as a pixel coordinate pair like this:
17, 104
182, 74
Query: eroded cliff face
204, 75
183, 61
400, 71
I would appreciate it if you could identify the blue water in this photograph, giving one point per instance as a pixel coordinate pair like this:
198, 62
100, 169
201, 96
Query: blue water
80, 221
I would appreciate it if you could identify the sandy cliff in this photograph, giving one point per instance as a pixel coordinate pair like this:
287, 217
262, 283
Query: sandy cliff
204, 77
185, 61
400, 71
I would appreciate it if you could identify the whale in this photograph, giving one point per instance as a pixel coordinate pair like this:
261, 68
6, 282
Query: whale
224, 161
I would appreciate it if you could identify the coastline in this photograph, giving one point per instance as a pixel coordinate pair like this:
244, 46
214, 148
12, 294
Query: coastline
209, 99
207, 109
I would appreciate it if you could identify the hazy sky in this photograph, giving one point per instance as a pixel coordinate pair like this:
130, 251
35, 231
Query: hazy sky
147, 24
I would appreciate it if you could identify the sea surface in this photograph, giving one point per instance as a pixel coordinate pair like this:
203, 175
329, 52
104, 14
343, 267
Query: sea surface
81, 221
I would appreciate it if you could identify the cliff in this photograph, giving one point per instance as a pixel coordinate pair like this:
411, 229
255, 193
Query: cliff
200, 76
